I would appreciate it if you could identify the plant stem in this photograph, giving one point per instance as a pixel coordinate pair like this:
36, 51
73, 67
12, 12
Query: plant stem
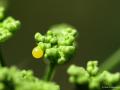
2, 63
50, 72
111, 62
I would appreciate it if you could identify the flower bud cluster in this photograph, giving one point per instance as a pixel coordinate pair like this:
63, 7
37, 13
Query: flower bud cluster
91, 76
15, 79
58, 43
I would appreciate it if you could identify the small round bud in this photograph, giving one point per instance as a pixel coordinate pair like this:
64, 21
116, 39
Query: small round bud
39, 37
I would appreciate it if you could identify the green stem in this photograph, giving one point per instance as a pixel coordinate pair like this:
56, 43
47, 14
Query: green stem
111, 62
50, 72
2, 63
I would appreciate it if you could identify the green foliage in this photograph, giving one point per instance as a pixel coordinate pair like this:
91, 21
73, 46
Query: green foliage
58, 43
14, 79
7, 27
91, 77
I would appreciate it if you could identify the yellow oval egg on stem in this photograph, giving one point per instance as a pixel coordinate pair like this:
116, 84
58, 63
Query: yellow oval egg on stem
37, 52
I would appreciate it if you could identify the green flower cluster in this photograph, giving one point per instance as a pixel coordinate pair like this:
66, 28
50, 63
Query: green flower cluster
91, 77
7, 26
58, 43
14, 79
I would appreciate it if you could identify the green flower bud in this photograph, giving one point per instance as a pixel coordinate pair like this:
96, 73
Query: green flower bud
70, 40
53, 41
92, 67
71, 31
74, 70
78, 73
47, 45
67, 50
11, 24
94, 84
74, 32
41, 45
52, 54
62, 42
39, 37
83, 78
49, 32
48, 38
4, 35
109, 78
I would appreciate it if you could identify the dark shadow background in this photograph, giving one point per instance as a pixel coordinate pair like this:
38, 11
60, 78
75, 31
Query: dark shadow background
97, 21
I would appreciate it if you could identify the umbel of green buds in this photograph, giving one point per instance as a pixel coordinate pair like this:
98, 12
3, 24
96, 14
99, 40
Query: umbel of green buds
7, 28
15, 79
91, 77
58, 44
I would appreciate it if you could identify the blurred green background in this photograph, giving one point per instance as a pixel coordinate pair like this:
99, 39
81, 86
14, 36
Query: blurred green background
97, 22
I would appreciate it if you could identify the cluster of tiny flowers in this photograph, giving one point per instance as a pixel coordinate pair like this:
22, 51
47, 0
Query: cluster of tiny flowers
58, 44
92, 78
15, 79
7, 26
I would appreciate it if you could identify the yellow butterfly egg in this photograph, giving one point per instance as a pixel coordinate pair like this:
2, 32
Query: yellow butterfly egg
37, 52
